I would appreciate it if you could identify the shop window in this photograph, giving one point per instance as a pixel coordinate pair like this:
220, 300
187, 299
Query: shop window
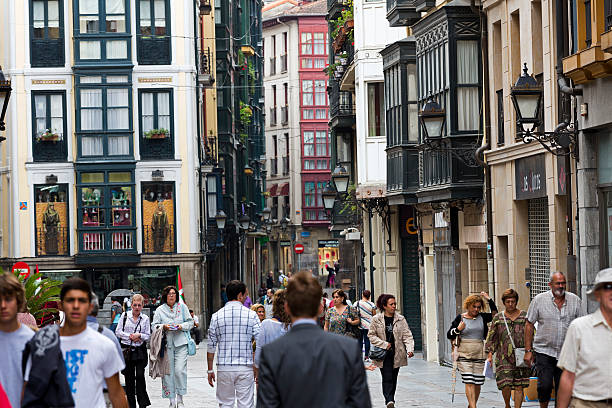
106, 211
158, 217
51, 223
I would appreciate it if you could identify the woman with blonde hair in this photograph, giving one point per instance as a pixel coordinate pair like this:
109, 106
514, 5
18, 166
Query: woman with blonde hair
468, 332
260, 310
278, 325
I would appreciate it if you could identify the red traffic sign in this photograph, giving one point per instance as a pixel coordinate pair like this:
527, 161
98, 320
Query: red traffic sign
23, 268
298, 248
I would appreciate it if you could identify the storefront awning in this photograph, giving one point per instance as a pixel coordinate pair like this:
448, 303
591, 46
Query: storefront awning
272, 189
283, 189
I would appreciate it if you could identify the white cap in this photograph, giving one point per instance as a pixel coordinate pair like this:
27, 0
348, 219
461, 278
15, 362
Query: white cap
603, 276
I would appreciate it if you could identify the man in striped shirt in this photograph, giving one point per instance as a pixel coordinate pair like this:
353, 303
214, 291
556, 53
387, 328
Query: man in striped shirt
366, 310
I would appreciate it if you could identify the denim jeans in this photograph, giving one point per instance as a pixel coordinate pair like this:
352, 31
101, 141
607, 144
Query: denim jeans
363, 338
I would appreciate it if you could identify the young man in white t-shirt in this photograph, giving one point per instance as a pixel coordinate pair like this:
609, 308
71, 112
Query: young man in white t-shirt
13, 337
366, 310
91, 359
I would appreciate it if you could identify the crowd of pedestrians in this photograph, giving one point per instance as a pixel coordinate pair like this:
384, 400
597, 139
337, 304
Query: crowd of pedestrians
275, 349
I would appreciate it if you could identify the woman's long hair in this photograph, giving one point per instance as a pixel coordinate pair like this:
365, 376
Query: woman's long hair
278, 307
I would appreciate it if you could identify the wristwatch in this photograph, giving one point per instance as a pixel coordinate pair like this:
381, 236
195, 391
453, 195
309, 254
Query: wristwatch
210, 371
529, 351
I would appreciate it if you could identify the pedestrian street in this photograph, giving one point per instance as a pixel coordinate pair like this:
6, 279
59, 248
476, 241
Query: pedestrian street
421, 384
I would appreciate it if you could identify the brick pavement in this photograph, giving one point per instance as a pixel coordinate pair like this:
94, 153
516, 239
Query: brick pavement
420, 384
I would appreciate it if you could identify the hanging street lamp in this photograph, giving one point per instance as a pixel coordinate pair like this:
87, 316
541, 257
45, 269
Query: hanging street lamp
5, 94
433, 119
340, 177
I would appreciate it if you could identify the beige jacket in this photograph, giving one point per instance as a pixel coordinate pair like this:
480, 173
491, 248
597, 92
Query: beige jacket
404, 343
158, 366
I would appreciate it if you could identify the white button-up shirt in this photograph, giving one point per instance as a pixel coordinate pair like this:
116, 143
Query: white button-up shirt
587, 352
132, 326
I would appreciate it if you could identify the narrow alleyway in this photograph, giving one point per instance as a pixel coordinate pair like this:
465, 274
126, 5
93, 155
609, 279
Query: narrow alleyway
421, 384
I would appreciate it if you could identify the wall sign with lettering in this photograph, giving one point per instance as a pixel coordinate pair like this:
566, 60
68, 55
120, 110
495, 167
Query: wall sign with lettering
530, 177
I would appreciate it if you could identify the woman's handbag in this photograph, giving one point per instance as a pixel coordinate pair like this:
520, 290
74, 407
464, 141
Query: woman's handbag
377, 353
519, 353
353, 330
191, 346
130, 353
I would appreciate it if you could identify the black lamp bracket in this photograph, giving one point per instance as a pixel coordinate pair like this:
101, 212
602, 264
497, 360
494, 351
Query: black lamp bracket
561, 142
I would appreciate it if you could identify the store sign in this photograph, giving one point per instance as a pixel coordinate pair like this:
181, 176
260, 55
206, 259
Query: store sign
530, 177
329, 243
285, 243
408, 226
562, 175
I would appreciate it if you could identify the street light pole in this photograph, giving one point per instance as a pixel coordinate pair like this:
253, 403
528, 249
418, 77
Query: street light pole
372, 268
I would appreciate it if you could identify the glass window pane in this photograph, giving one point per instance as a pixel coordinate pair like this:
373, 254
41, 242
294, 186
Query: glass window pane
319, 63
90, 79
467, 108
376, 110
147, 111
115, 7
160, 13
88, 24
145, 13
92, 178
308, 137
118, 118
91, 98
118, 145
38, 11
40, 104
467, 62
116, 49
88, 6
306, 63
53, 13
117, 97
120, 177
117, 79
89, 49
92, 146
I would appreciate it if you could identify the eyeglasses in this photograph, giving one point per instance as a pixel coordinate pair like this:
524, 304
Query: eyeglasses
606, 286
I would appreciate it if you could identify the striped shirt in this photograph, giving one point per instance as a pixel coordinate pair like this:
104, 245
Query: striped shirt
552, 322
233, 328
366, 311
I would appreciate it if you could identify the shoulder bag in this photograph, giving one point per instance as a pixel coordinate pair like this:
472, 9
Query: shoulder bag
131, 353
191, 346
377, 353
353, 330
519, 353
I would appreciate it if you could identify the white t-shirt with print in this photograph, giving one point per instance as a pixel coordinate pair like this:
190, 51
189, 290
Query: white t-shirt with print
90, 358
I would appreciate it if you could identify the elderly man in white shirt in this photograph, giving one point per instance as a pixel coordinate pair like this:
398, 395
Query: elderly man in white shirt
586, 356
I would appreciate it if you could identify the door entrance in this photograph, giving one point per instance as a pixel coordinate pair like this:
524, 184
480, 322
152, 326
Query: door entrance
411, 288
447, 304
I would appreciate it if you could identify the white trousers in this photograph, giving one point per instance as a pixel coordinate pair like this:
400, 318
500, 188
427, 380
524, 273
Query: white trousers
236, 386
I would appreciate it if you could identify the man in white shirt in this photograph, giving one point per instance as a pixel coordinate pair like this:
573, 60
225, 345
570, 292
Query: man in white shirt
366, 310
585, 357
91, 359
13, 337
233, 328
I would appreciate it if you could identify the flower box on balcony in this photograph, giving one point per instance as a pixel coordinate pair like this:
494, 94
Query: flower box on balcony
48, 136
156, 134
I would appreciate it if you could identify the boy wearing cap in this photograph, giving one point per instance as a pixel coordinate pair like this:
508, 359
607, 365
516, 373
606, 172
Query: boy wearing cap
585, 357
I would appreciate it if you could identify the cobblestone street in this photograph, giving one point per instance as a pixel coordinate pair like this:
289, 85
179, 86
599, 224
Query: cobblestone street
421, 384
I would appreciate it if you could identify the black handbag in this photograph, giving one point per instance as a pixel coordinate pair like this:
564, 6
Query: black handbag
353, 330
377, 353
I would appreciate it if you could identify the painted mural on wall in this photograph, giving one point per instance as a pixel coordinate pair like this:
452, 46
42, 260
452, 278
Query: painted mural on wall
51, 208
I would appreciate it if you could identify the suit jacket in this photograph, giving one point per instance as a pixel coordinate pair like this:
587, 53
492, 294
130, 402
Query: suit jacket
308, 368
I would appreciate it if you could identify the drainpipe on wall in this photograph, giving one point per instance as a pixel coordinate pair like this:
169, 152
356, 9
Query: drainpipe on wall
575, 92
484, 44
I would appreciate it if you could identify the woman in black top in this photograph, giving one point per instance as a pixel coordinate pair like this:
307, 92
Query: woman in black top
468, 332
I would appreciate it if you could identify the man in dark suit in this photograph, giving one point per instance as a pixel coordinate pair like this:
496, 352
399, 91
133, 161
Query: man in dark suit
308, 367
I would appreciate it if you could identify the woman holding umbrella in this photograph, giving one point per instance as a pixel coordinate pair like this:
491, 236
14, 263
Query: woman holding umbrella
471, 328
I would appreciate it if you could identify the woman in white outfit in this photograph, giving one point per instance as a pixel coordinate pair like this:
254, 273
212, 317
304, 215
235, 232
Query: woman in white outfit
176, 321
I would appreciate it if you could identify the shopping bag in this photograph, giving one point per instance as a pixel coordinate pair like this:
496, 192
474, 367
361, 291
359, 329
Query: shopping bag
488, 370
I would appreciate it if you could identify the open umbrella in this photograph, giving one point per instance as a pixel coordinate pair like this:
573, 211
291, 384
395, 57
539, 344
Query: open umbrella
120, 292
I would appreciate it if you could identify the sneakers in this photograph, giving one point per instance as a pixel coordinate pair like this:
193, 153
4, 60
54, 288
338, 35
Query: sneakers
180, 405
390, 404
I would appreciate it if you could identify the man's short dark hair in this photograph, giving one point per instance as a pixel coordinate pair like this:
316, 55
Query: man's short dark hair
303, 295
75, 284
234, 288
10, 286
190, 310
366, 294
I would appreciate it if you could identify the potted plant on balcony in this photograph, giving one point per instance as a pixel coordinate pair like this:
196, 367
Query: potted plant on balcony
156, 134
343, 58
48, 136
246, 114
